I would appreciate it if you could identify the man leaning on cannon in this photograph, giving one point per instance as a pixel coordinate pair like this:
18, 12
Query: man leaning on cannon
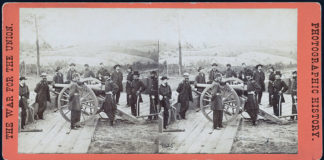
251, 105
23, 100
200, 79
185, 95
109, 105
42, 95
117, 77
70, 72
279, 87
213, 72
153, 94
137, 87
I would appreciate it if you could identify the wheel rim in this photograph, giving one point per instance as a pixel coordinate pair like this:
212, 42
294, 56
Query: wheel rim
231, 103
88, 100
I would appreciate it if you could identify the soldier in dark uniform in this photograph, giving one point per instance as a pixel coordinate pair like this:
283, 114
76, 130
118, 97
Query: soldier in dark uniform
242, 74
109, 105
251, 105
87, 72
137, 87
42, 96
74, 101
259, 78
293, 91
213, 72
200, 79
153, 94
185, 95
279, 87
217, 105
128, 84
165, 93
58, 79
117, 77
70, 72
229, 71
270, 84
102, 72
23, 100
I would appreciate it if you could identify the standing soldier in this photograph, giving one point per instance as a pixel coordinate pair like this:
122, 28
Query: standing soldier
137, 87
293, 91
58, 79
153, 94
102, 72
165, 96
251, 105
109, 105
259, 78
279, 87
128, 84
87, 72
75, 102
217, 105
23, 100
70, 72
229, 71
270, 84
185, 95
243, 72
117, 77
200, 79
213, 72
42, 95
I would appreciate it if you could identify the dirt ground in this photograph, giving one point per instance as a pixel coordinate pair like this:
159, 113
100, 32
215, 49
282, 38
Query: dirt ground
124, 137
266, 138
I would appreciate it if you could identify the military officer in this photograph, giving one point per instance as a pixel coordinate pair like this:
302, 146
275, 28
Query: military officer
243, 72
117, 77
251, 105
213, 72
75, 101
185, 95
109, 105
279, 87
200, 79
87, 72
137, 87
128, 84
153, 94
23, 100
229, 71
102, 72
259, 78
217, 105
270, 84
42, 95
293, 91
70, 72
165, 93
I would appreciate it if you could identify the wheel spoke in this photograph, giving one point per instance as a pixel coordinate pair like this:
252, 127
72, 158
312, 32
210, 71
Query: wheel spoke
209, 112
64, 106
228, 96
67, 112
87, 101
65, 100
208, 100
206, 106
229, 101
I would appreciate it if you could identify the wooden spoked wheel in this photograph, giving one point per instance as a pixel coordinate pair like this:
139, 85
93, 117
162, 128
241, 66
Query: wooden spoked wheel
230, 99
88, 99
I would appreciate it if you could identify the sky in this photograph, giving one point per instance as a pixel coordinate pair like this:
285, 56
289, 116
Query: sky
75, 26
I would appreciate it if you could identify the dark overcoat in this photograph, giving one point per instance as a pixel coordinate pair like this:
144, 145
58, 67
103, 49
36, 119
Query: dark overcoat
270, 83
200, 78
279, 85
129, 79
109, 105
42, 92
212, 74
259, 78
166, 93
185, 92
251, 102
117, 77
230, 73
137, 86
24, 95
216, 99
74, 97
58, 78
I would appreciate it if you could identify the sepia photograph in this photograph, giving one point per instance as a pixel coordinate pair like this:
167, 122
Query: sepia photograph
157, 81
88, 80
231, 79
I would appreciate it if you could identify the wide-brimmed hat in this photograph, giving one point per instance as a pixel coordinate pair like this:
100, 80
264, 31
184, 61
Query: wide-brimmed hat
164, 77
117, 65
136, 73
200, 68
257, 66
214, 64
43, 74
186, 74
228, 65
153, 72
72, 64
278, 73
294, 72
22, 78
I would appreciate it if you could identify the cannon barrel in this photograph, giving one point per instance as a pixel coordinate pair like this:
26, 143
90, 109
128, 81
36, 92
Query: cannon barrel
234, 86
